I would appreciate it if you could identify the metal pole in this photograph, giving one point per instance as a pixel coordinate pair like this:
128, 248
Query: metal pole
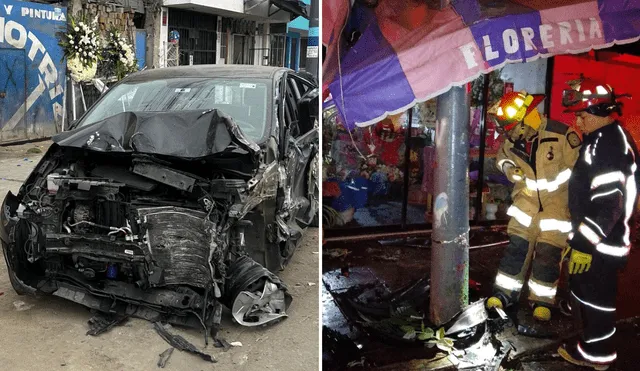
314, 39
407, 162
73, 100
450, 252
372, 236
483, 139
549, 79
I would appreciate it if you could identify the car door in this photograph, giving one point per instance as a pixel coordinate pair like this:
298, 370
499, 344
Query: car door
298, 196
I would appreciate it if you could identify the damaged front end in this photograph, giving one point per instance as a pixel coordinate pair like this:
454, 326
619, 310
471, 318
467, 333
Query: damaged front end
119, 219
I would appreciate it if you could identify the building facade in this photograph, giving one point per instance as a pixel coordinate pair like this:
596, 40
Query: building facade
32, 70
226, 32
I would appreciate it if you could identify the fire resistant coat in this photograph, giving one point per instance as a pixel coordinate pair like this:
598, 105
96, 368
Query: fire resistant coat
540, 219
547, 160
602, 198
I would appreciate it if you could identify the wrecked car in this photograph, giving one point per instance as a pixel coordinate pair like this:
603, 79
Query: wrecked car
181, 190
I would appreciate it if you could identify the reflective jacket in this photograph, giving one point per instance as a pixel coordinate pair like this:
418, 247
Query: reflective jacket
603, 192
547, 159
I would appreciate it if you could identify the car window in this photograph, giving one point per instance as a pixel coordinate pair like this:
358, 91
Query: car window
244, 101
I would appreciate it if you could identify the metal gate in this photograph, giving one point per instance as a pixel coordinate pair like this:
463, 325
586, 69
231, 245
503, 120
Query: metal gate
197, 36
13, 94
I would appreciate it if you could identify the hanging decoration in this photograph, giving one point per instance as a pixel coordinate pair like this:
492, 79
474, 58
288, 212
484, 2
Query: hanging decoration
119, 58
81, 46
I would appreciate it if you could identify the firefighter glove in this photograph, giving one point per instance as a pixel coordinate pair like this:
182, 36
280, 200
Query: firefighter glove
579, 262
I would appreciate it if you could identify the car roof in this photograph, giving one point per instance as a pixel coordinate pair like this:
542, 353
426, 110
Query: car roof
207, 70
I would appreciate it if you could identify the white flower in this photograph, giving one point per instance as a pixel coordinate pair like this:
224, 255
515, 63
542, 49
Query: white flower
85, 54
71, 42
76, 29
84, 40
79, 72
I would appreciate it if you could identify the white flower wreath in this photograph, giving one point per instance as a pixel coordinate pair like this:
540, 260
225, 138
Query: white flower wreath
120, 55
81, 48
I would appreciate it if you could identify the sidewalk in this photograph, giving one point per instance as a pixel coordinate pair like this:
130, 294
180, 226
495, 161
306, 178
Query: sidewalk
398, 265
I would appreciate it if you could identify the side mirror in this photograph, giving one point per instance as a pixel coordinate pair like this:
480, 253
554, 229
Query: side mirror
308, 107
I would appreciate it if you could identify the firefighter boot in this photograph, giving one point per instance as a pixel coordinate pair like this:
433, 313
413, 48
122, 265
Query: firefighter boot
497, 301
541, 313
494, 302
572, 354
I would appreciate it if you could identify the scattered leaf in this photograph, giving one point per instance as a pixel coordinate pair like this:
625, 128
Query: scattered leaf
407, 328
448, 342
429, 332
443, 347
440, 333
423, 336
410, 335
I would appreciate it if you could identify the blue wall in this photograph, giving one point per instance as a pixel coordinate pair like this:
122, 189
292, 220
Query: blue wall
300, 23
293, 61
141, 48
293, 37
32, 70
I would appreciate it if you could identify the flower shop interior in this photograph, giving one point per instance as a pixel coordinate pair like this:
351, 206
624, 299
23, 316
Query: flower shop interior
365, 189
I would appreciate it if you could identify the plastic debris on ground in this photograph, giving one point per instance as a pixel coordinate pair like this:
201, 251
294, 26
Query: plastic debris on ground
164, 357
468, 340
21, 305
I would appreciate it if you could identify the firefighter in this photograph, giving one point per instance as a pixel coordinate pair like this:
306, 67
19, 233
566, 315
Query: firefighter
602, 198
537, 156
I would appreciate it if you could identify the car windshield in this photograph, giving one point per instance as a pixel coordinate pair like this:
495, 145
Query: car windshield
244, 101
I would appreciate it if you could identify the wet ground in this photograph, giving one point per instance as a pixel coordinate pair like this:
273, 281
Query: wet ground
347, 265
48, 333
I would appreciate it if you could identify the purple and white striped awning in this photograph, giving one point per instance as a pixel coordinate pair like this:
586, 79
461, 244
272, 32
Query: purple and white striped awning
407, 53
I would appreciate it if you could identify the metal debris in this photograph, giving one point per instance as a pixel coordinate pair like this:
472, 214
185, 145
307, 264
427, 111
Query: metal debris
221, 343
356, 363
164, 357
102, 322
472, 315
180, 343
255, 295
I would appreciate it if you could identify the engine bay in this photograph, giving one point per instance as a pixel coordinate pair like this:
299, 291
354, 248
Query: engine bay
159, 238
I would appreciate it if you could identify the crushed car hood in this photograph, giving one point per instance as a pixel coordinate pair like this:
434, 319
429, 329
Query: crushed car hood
185, 134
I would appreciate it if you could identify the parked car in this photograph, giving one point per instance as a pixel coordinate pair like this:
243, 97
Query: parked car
181, 190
